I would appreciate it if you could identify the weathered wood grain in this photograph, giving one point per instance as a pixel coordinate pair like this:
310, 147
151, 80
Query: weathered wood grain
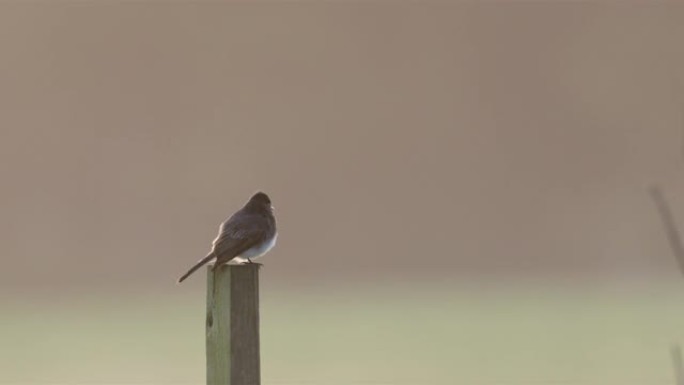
232, 327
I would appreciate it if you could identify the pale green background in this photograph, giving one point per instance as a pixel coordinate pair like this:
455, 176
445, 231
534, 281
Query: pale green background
431, 334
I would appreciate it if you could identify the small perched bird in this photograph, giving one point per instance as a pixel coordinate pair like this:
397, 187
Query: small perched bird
247, 234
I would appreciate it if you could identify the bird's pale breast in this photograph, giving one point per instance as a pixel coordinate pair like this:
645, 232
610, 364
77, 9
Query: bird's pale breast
259, 250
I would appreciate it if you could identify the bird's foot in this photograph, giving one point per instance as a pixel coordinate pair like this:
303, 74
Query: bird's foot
249, 262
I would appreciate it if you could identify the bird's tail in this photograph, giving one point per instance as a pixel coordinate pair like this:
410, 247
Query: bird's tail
199, 264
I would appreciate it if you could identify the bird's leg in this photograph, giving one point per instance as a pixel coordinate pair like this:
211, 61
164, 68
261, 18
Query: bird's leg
249, 262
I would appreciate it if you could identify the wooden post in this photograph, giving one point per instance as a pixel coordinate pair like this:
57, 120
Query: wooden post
233, 325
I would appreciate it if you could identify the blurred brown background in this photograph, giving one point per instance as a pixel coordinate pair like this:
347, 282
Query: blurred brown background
443, 141
461, 188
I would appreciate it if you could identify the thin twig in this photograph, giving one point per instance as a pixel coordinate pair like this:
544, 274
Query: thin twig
676, 354
673, 235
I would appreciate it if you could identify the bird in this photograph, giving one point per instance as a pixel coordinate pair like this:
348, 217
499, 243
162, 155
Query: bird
248, 234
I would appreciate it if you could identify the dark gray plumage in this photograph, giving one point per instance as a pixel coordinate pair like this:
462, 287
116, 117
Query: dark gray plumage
249, 233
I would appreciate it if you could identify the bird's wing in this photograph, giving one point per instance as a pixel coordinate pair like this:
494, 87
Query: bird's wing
236, 237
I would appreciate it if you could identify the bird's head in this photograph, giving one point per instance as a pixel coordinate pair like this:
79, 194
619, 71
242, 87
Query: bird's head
260, 199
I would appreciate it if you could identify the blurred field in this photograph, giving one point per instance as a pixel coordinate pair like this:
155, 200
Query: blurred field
438, 334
